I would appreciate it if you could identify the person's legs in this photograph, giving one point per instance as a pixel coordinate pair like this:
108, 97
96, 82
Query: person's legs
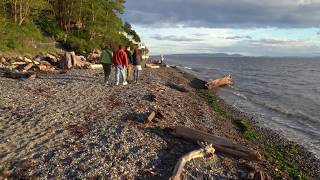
129, 71
124, 74
117, 74
137, 75
134, 75
106, 70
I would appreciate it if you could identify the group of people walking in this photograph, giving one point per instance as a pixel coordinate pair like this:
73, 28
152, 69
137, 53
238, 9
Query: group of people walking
123, 61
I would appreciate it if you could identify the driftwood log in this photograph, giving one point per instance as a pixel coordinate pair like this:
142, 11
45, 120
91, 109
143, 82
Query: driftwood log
17, 75
152, 66
203, 152
220, 144
224, 81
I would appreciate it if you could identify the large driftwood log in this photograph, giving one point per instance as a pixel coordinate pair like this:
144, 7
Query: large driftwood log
204, 152
225, 81
16, 74
221, 144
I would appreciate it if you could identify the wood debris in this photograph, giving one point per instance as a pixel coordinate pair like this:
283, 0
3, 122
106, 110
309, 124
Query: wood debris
205, 152
150, 118
224, 81
24, 67
221, 144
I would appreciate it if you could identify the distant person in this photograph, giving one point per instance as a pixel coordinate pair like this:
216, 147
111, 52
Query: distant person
120, 62
106, 61
162, 59
137, 64
129, 69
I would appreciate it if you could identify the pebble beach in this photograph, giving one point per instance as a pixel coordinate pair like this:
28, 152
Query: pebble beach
66, 126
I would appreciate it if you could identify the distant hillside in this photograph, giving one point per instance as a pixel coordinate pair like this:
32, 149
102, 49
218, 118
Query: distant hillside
210, 55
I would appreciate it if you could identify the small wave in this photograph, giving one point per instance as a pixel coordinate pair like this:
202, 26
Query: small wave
296, 114
187, 68
239, 95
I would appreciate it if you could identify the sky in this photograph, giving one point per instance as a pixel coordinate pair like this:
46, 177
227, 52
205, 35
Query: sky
248, 27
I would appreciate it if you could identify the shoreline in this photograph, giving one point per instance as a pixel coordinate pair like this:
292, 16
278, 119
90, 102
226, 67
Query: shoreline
87, 125
268, 137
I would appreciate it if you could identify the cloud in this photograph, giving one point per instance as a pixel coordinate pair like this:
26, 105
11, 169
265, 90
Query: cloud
237, 37
318, 33
224, 14
280, 42
174, 38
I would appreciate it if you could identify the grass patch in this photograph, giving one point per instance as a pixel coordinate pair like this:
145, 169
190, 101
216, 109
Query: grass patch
243, 124
26, 38
280, 157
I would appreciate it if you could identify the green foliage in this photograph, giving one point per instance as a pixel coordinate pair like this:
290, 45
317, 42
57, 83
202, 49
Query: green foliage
80, 45
80, 24
51, 28
128, 29
24, 38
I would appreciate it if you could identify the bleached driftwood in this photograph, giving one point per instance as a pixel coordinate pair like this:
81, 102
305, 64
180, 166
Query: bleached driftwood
96, 66
220, 144
152, 66
203, 152
225, 81
150, 118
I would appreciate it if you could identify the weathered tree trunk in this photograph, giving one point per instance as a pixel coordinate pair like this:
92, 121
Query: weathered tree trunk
204, 152
221, 144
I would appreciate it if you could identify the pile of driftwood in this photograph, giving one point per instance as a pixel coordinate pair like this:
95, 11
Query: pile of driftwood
26, 67
209, 144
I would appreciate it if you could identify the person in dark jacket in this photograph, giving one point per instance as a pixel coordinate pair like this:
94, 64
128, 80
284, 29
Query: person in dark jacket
129, 69
136, 57
106, 61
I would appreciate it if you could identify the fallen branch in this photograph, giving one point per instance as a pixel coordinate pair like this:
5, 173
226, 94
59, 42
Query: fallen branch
203, 152
17, 75
221, 144
150, 118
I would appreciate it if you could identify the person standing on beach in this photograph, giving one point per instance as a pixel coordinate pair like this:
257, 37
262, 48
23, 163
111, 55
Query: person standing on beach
120, 62
129, 69
106, 61
136, 57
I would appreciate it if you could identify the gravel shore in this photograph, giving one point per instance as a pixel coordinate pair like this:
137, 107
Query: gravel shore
72, 125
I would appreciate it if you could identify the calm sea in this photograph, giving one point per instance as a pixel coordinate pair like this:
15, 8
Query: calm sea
281, 93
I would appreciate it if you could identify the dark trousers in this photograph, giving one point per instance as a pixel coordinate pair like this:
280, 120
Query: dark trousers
107, 71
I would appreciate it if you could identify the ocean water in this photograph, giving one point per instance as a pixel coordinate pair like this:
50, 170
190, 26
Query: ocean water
281, 93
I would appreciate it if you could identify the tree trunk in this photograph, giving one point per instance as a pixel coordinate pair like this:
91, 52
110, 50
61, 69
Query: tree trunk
221, 144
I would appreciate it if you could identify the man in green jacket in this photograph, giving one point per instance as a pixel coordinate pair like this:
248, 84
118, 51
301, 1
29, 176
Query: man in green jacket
106, 61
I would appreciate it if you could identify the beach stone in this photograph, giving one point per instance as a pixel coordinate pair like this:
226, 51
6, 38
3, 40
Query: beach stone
3, 60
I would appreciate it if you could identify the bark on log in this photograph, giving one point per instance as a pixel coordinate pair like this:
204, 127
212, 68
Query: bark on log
203, 152
221, 144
